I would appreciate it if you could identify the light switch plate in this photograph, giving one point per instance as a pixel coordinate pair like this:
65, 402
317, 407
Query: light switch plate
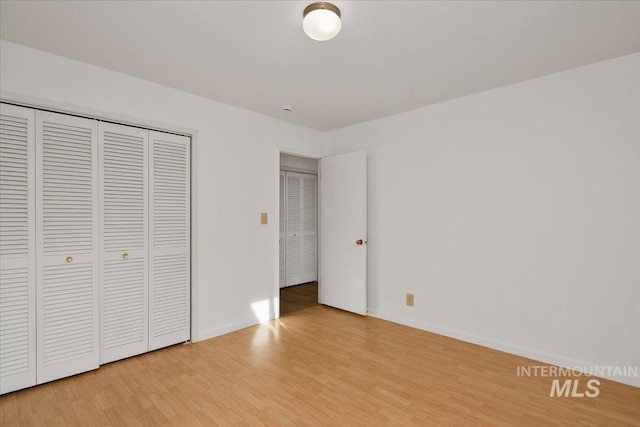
263, 218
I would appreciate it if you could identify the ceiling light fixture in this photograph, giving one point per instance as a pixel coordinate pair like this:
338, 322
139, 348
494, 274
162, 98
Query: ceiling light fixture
321, 21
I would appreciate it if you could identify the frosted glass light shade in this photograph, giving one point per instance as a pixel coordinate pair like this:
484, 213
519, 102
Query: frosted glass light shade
321, 21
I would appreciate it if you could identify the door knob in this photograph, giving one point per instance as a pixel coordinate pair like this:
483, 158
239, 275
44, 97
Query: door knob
69, 259
359, 242
125, 255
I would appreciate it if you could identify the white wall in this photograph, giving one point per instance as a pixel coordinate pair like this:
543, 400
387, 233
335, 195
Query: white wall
513, 215
235, 258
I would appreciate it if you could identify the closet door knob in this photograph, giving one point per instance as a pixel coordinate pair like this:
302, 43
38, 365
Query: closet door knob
359, 242
69, 259
125, 255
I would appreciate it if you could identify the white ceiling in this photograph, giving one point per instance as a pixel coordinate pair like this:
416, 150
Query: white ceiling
391, 56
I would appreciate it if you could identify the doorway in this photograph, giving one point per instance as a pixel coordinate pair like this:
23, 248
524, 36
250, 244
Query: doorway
341, 237
298, 239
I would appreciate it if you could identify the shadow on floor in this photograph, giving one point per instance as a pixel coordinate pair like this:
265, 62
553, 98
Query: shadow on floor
299, 297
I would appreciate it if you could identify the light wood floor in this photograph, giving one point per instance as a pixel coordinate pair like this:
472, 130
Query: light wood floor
317, 366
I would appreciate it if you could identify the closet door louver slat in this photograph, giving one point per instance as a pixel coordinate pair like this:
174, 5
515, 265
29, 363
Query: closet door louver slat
17, 249
67, 245
169, 296
124, 254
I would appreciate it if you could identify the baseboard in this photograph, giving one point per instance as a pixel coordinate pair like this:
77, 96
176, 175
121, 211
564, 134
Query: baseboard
505, 347
232, 327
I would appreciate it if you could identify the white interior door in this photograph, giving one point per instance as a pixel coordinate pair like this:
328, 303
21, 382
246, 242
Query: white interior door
17, 249
123, 262
300, 223
293, 221
309, 247
283, 234
170, 244
67, 245
343, 232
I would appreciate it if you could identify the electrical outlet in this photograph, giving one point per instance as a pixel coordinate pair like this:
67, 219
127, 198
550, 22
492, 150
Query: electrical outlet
410, 300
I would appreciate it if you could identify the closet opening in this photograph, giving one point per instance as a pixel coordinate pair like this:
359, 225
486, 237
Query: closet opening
298, 233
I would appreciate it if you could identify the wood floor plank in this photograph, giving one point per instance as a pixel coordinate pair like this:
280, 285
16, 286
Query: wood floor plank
317, 366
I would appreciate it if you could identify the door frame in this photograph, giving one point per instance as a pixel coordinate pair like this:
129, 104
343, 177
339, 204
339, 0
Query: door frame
310, 154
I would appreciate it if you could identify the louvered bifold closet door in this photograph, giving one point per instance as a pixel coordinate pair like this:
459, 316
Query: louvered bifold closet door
309, 254
293, 189
17, 249
169, 279
123, 261
283, 269
67, 245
